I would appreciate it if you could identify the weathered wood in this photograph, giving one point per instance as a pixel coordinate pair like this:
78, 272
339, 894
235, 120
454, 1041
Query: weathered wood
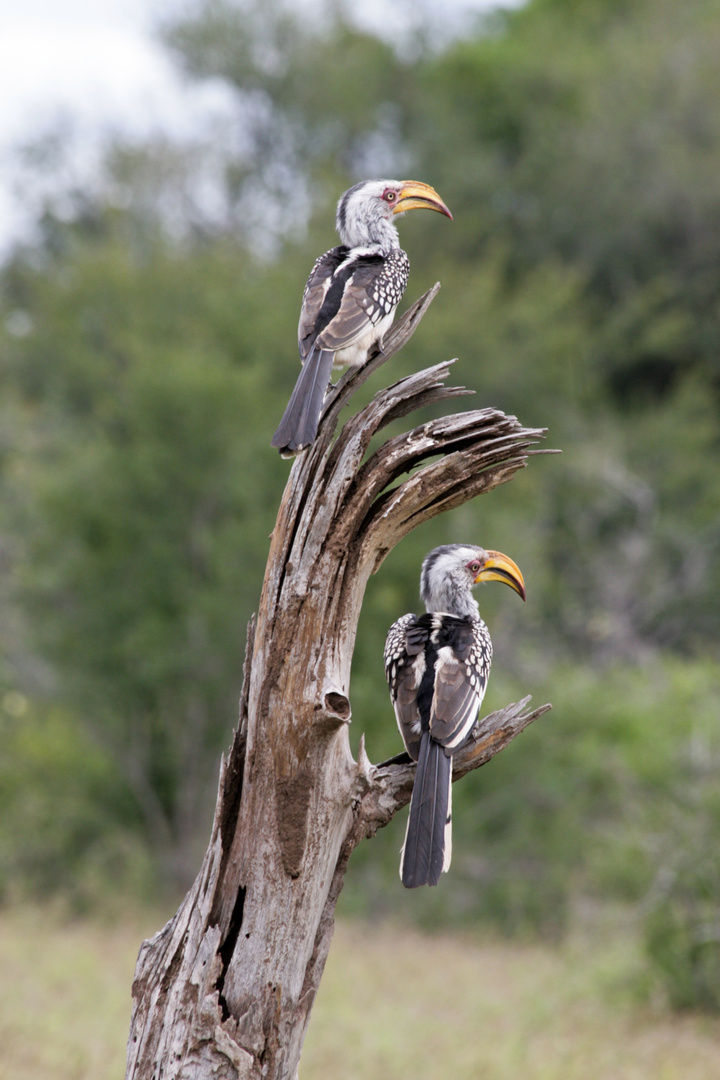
226, 988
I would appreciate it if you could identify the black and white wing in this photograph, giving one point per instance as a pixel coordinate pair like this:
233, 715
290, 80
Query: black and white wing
345, 298
299, 424
404, 670
462, 667
316, 290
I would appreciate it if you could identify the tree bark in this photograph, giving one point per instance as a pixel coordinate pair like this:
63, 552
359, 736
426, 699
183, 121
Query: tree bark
225, 989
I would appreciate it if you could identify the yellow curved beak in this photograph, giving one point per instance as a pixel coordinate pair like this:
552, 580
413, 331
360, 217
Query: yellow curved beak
499, 567
417, 196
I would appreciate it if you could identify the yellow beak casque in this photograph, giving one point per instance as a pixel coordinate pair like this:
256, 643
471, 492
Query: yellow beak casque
499, 567
417, 196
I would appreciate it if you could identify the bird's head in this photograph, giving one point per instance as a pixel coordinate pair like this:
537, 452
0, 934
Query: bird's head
450, 572
365, 212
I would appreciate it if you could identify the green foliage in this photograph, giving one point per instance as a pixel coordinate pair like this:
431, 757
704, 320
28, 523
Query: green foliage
681, 913
68, 826
142, 505
682, 943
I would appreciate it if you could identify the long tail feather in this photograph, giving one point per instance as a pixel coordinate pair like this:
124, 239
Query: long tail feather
427, 847
299, 424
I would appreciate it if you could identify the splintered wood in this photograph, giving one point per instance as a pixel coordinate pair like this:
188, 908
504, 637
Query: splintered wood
226, 988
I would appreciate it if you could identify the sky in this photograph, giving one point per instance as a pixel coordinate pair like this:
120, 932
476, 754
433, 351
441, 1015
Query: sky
94, 64
97, 64
96, 59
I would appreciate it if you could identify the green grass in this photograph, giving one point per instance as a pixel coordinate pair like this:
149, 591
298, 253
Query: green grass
397, 1004
64, 996
394, 1005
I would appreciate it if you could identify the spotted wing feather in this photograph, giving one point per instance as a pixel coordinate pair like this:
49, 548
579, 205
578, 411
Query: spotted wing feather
461, 673
404, 669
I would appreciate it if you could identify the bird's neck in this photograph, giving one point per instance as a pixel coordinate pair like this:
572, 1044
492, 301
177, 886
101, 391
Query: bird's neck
453, 601
378, 237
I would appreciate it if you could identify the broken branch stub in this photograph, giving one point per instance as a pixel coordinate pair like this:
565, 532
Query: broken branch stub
226, 988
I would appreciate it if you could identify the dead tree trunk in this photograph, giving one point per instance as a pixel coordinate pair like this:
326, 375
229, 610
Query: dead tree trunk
225, 989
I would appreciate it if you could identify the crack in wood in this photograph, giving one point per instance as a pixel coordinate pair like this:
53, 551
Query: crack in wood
227, 948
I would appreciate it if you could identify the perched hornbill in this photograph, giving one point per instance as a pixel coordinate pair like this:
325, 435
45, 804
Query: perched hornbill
437, 667
350, 297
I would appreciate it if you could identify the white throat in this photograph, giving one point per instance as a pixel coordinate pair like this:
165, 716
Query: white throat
379, 235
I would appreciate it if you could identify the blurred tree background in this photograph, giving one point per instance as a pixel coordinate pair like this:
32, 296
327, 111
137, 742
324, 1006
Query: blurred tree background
148, 349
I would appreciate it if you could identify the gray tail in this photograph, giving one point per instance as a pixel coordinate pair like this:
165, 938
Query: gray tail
427, 848
299, 424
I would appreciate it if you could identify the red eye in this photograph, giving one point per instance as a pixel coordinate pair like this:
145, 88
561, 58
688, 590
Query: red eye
474, 567
389, 196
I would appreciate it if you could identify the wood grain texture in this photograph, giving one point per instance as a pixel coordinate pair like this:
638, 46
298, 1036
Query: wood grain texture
225, 989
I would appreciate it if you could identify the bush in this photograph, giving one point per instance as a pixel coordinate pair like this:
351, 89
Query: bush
67, 824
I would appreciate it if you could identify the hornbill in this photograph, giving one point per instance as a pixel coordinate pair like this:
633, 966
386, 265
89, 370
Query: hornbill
350, 297
437, 667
